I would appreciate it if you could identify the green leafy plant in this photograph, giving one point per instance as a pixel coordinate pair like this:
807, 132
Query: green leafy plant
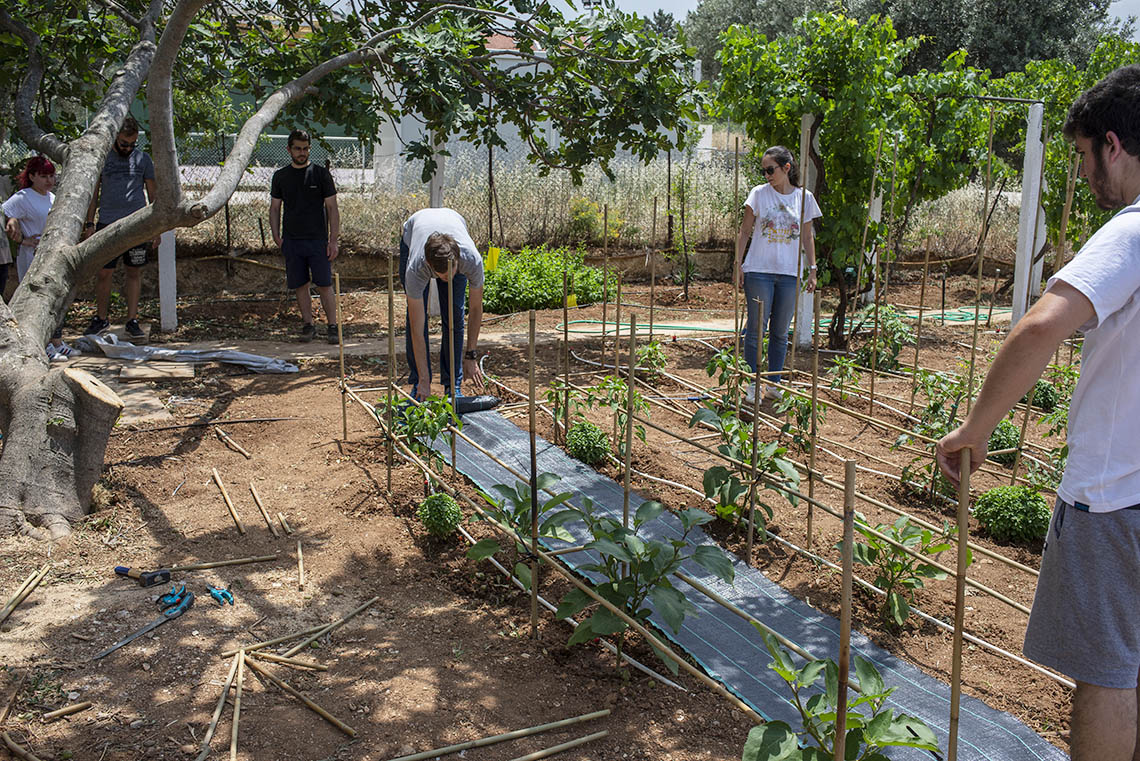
870, 725
1046, 397
587, 442
587, 222
532, 279
512, 508
893, 334
727, 492
898, 573
728, 368
844, 374
440, 514
1013, 514
943, 393
651, 357
613, 393
637, 571
801, 411
1005, 436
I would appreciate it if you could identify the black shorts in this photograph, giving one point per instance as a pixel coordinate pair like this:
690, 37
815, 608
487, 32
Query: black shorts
306, 260
137, 256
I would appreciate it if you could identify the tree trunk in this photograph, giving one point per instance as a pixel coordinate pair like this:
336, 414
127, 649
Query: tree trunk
55, 428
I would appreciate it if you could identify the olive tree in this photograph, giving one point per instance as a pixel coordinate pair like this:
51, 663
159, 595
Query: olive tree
604, 81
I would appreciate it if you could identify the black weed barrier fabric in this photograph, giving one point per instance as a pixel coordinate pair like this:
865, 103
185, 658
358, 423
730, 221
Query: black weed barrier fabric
728, 647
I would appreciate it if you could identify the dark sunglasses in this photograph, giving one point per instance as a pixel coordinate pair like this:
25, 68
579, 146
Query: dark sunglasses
125, 146
769, 170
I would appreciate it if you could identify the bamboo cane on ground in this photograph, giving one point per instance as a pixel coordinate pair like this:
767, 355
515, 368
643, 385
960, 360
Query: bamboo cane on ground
308, 703
237, 705
204, 749
261, 509
330, 628
514, 735
24, 591
561, 747
229, 502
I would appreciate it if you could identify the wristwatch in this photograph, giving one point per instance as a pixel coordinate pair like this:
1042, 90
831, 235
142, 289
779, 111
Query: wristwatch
469, 354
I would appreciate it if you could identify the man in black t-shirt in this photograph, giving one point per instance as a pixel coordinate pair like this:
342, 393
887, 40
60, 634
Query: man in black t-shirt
312, 225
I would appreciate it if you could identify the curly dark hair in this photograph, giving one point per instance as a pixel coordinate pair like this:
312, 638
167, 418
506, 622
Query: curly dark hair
1111, 105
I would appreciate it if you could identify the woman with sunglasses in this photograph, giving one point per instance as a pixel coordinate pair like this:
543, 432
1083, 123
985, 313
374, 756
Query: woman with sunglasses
778, 218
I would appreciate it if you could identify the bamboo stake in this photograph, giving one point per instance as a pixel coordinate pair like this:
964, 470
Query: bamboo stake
329, 629
455, 365
18, 750
271, 642
261, 508
229, 442
1021, 436
605, 299
340, 347
845, 607
565, 358
799, 283
875, 340
229, 503
556, 749
204, 748
223, 563
1066, 210
237, 705
300, 566
287, 661
653, 292
759, 390
814, 417
866, 227
993, 298
981, 252
891, 213
26, 590
67, 710
514, 735
12, 698
918, 335
391, 369
308, 703
533, 485
617, 326
285, 524
629, 388
959, 599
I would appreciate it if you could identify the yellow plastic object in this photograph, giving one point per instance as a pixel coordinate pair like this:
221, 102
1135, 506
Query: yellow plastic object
571, 299
492, 262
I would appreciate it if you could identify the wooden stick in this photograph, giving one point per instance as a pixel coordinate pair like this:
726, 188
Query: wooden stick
959, 600
308, 703
229, 442
561, 747
918, 334
18, 750
300, 566
237, 705
270, 642
340, 346
845, 607
1021, 436
628, 435
222, 563
204, 748
391, 371
981, 250
285, 524
757, 392
513, 735
330, 628
20, 590
229, 502
67, 710
814, 417
287, 661
261, 508
12, 698
533, 483
28, 588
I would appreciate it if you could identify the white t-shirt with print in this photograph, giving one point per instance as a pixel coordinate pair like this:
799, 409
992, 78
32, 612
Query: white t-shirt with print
1103, 470
775, 246
31, 208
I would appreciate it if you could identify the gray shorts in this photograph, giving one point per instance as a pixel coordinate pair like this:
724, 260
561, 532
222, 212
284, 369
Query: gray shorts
1086, 612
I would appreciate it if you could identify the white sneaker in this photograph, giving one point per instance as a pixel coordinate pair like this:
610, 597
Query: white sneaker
61, 353
772, 393
68, 351
750, 393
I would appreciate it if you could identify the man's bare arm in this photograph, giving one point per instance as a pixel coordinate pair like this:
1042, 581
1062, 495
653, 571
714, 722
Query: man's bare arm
275, 220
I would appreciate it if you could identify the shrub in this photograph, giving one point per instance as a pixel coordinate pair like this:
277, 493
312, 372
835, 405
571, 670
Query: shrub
440, 514
1013, 514
1045, 396
587, 442
1005, 436
532, 279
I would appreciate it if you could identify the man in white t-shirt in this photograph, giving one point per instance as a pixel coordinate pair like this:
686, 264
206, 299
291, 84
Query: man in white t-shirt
1086, 612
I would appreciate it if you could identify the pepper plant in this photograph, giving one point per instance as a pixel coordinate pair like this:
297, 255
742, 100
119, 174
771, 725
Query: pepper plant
637, 570
844, 374
612, 392
871, 726
728, 367
801, 411
651, 357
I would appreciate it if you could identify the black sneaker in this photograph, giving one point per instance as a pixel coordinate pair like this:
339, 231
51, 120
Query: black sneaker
308, 332
97, 326
332, 334
134, 330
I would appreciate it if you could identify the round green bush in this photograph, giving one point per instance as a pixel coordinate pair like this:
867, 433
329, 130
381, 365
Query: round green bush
587, 442
440, 514
1005, 436
1013, 514
1045, 396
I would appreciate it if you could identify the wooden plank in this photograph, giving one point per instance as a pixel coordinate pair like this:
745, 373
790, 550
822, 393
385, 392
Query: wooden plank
156, 371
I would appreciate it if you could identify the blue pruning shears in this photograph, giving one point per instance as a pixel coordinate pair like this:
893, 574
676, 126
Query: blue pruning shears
183, 603
221, 595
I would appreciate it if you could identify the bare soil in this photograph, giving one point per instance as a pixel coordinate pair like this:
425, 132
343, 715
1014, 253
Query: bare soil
447, 653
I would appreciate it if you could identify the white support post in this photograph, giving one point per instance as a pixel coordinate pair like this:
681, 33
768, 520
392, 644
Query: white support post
872, 256
805, 306
435, 186
1027, 221
1039, 267
167, 283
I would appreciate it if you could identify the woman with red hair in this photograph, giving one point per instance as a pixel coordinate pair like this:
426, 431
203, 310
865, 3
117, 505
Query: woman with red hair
27, 212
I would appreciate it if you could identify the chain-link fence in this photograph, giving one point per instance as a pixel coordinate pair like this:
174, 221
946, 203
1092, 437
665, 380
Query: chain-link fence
375, 195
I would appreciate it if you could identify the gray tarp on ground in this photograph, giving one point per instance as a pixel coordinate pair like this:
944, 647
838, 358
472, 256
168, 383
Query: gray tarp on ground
111, 346
727, 646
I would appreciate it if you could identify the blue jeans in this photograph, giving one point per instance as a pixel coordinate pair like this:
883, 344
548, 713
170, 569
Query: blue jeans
778, 294
452, 320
